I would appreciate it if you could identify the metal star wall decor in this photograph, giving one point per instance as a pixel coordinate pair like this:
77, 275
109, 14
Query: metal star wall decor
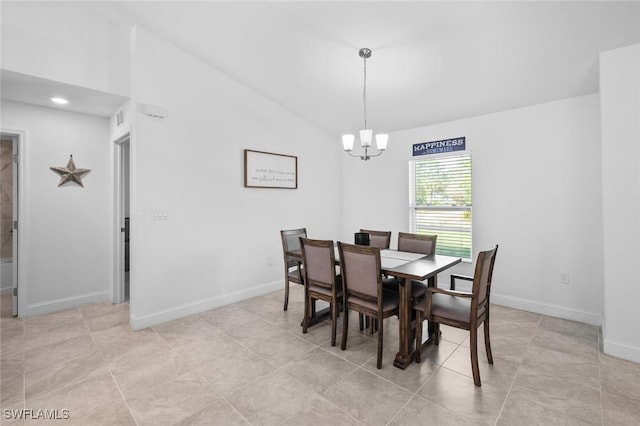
70, 173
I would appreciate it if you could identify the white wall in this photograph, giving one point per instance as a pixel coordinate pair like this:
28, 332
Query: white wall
66, 235
536, 193
620, 93
67, 42
220, 237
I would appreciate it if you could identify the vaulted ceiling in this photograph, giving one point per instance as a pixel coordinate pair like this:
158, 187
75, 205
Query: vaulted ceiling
431, 61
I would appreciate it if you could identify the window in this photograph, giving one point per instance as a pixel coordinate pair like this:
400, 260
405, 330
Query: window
441, 202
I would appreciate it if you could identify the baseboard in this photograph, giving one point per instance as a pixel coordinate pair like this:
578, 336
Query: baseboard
5, 290
140, 322
621, 350
67, 303
547, 309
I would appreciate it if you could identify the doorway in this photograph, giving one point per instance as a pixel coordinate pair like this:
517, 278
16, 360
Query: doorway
123, 282
9, 224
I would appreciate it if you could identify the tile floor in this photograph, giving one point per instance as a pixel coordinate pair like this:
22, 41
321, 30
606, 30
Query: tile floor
249, 363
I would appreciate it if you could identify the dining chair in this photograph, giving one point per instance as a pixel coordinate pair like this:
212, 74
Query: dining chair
380, 239
292, 270
320, 280
363, 291
461, 309
414, 243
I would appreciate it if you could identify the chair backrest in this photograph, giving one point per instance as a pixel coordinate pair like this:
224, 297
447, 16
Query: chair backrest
360, 267
483, 274
380, 239
318, 258
291, 241
417, 243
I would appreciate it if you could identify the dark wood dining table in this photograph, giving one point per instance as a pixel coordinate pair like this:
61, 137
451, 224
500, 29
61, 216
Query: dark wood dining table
405, 266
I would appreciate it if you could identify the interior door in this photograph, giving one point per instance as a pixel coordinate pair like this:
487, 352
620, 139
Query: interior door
8, 235
14, 228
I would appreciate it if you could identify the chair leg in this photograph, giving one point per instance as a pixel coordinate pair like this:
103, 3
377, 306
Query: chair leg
345, 327
487, 342
474, 355
305, 320
286, 291
334, 320
418, 351
380, 340
436, 333
361, 321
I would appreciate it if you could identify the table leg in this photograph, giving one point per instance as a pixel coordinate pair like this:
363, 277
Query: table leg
405, 356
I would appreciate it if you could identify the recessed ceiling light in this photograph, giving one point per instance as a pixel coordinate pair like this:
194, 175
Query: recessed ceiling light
59, 101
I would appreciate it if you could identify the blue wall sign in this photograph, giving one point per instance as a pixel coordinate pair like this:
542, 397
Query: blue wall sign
438, 147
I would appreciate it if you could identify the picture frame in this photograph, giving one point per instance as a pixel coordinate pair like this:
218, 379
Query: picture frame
270, 170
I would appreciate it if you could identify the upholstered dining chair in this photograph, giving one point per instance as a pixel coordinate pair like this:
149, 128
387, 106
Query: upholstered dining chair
362, 288
380, 239
320, 280
414, 243
292, 271
461, 309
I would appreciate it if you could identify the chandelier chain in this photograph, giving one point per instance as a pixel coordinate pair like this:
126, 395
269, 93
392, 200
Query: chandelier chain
364, 93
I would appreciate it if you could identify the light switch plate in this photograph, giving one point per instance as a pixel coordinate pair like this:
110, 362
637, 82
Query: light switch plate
159, 214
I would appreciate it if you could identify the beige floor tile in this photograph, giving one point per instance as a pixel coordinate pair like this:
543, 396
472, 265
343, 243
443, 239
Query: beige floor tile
200, 354
95, 401
510, 315
137, 377
582, 348
563, 399
234, 370
420, 411
53, 328
411, 378
272, 399
275, 345
173, 401
318, 369
570, 328
120, 345
229, 317
560, 364
108, 320
12, 338
360, 348
620, 378
189, 332
513, 349
318, 411
618, 411
501, 373
99, 309
61, 364
456, 392
453, 335
219, 413
382, 401
11, 383
523, 407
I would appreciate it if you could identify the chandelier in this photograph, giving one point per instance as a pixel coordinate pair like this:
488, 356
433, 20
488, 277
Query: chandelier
366, 134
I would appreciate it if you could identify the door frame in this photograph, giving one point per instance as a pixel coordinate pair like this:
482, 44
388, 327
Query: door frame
19, 139
119, 194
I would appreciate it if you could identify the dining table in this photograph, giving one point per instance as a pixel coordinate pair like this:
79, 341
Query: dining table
405, 267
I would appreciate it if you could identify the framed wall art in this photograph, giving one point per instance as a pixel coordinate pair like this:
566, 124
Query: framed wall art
270, 170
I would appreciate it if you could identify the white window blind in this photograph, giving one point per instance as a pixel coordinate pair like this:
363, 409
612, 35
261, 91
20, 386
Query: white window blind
441, 202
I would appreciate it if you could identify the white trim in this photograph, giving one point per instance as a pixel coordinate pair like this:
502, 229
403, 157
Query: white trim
621, 350
56, 305
547, 309
21, 270
138, 323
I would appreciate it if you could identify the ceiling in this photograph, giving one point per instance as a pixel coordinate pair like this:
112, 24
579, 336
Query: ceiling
432, 61
39, 91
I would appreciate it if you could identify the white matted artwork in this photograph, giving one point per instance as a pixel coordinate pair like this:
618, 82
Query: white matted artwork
269, 170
